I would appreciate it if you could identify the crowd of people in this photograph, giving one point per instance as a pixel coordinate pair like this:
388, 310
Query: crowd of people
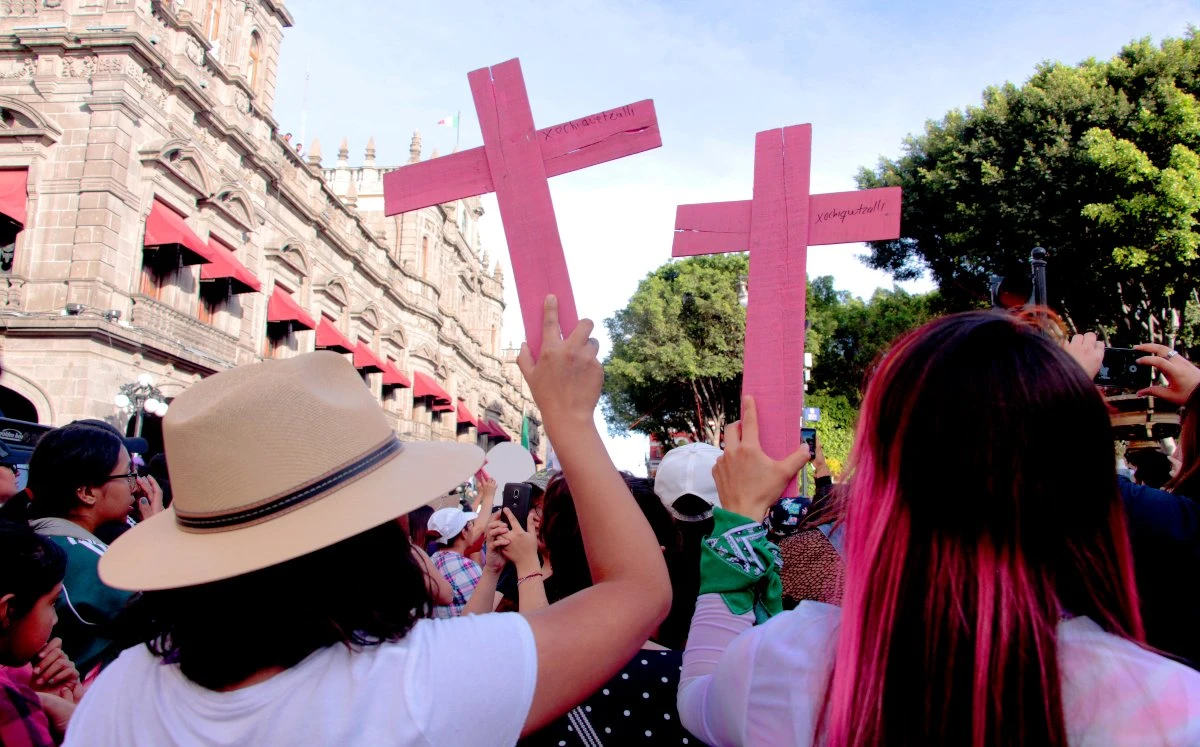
982, 574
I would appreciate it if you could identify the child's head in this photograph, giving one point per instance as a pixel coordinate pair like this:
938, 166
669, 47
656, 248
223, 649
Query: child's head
31, 573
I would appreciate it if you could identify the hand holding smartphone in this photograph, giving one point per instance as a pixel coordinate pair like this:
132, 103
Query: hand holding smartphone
1120, 370
810, 437
518, 497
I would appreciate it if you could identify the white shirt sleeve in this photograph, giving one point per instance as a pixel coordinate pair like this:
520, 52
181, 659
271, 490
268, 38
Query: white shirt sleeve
718, 660
470, 680
726, 697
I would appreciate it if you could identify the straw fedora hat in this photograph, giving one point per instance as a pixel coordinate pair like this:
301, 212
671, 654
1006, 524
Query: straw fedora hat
274, 460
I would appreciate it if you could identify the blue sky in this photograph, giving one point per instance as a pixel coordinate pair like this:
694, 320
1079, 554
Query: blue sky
865, 74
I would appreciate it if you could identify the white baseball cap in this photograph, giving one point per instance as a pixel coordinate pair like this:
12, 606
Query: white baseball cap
687, 471
449, 523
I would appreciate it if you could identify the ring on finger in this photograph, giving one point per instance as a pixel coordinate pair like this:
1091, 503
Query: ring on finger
1172, 354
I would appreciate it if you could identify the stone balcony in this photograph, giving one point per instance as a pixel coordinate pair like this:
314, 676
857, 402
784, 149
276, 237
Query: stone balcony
410, 431
185, 331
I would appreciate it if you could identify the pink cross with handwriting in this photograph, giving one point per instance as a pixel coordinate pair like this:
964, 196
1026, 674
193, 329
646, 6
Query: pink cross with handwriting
515, 162
777, 227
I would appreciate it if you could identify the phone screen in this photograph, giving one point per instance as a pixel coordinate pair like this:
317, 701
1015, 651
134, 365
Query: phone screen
810, 437
1120, 370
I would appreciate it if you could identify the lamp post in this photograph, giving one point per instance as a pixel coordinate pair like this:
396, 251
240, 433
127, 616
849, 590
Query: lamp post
141, 397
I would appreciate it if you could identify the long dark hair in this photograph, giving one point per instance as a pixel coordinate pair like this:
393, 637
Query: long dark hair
418, 526
65, 459
30, 566
565, 550
362, 591
982, 507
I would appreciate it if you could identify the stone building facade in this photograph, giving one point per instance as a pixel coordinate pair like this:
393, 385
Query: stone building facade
155, 220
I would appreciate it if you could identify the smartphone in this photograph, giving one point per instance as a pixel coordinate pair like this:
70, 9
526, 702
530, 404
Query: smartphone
810, 437
517, 498
1120, 370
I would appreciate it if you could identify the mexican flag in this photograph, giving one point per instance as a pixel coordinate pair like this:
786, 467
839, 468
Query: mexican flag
525, 431
449, 121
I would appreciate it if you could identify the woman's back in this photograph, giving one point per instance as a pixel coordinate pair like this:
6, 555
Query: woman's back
771, 684
951, 628
428, 688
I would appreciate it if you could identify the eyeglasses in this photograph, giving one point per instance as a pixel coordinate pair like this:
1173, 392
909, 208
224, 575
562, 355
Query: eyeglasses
131, 478
15, 469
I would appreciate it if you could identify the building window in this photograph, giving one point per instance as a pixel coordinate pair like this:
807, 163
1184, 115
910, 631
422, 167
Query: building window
212, 19
425, 257
255, 60
208, 309
160, 269
279, 338
213, 298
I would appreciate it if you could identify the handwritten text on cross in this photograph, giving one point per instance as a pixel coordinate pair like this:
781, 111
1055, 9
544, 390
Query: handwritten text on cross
776, 228
515, 162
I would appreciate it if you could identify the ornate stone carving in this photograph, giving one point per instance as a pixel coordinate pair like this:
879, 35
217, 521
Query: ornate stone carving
111, 65
194, 52
22, 68
151, 90
22, 8
79, 67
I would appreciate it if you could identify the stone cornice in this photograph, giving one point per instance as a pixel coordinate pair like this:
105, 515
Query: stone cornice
110, 185
280, 12
115, 101
114, 335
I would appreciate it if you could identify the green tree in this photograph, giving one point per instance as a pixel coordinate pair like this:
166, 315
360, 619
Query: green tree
1096, 162
835, 431
676, 360
847, 334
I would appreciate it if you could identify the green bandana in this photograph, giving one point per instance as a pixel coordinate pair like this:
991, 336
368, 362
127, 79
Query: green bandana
738, 562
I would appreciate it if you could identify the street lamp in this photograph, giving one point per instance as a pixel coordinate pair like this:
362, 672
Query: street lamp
141, 397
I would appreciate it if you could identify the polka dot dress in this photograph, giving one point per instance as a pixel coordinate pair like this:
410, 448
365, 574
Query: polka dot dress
636, 706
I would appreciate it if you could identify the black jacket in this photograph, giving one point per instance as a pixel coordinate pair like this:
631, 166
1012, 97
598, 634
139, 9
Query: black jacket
1164, 529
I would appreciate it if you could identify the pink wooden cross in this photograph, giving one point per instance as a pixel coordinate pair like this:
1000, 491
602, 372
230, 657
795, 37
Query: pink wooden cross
777, 227
515, 162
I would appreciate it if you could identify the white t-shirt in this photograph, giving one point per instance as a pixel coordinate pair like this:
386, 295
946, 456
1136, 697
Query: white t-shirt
771, 680
431, 688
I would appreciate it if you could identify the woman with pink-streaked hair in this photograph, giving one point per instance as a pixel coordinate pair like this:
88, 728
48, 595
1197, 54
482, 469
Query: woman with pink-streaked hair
989, 595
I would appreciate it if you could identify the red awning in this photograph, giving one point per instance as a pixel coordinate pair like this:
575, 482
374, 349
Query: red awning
365, 359
165, 227
465, 417
227, 267
283, 308
393, 376
425, 386
14, 193
329, 337
497, 432
536, 459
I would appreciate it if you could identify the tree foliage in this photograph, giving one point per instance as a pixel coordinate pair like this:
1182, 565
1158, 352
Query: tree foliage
676, 360
847, 334
1096, 162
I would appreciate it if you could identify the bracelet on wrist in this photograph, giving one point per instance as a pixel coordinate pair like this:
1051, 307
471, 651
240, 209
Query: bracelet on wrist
523, 579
